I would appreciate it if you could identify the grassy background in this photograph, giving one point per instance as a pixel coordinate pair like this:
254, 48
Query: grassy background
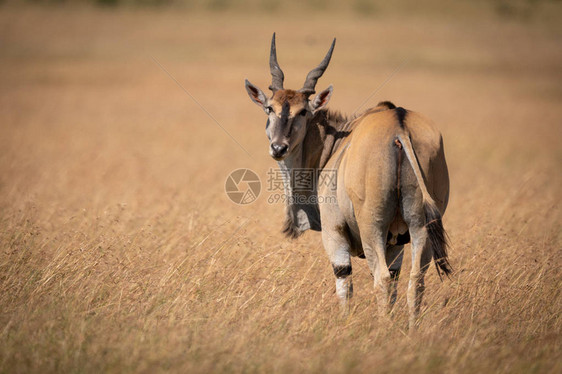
120, 252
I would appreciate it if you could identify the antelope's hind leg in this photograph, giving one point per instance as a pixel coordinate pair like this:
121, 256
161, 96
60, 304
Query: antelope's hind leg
373, 239
337, 246
394, 256
421, 258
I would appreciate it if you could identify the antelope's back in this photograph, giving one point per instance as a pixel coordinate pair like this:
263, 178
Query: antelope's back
371, 158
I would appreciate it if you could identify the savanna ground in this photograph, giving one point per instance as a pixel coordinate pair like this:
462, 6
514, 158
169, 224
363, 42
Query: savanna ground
120, 252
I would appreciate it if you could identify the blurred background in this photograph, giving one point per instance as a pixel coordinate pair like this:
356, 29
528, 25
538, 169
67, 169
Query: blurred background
120, 250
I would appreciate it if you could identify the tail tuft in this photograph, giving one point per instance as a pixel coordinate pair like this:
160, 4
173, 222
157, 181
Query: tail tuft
437, 238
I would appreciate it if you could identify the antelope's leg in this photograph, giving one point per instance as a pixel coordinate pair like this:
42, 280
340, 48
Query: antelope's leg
421, 258
394, 256
374, 245
337, 247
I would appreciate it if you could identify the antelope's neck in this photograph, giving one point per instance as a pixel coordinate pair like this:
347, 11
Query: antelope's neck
299, 182
301, 170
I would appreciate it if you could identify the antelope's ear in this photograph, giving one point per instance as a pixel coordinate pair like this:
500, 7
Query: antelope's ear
321, 99
256, 94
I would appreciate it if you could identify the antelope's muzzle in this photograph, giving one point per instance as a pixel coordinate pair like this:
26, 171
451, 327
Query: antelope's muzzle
278, 151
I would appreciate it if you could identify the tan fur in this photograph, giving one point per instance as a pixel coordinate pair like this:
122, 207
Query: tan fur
372, 202
297, 100
391, 184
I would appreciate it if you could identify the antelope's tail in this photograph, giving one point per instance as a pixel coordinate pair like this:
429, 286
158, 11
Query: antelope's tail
437, 236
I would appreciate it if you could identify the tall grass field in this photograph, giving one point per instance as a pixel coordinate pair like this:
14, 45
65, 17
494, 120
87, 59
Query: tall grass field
120, 251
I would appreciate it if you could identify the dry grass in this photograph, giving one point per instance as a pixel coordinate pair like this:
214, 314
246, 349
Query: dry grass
120, 251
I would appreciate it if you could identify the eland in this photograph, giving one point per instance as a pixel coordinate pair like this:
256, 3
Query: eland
391, 184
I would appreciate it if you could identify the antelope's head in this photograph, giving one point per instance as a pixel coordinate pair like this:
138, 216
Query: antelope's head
289, 111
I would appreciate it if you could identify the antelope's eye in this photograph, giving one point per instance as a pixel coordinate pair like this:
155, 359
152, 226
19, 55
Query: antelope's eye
268, 110
302, 112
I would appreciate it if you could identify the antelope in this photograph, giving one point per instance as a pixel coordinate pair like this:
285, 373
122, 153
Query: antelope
391, 186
